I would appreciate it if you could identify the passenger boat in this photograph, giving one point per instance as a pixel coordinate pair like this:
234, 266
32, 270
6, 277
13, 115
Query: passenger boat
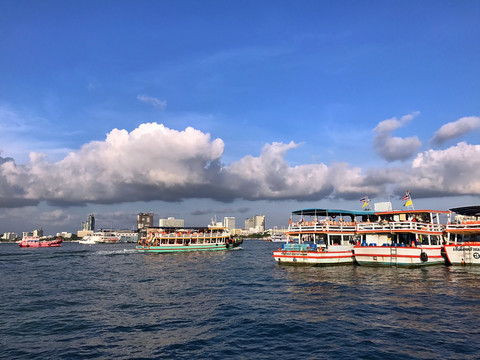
407, 238
167, 239
279, 238
322, 237
100, 237
34, 241
463, 236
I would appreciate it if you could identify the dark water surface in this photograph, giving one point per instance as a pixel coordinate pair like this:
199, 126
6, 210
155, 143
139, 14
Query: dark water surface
107, 301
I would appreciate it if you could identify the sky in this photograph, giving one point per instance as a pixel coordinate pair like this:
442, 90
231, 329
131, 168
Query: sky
204, 109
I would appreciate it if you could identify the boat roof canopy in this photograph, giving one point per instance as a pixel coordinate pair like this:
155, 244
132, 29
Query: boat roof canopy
467, 210
327, 212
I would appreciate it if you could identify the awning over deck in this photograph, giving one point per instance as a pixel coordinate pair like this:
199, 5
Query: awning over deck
331, 212
467, 210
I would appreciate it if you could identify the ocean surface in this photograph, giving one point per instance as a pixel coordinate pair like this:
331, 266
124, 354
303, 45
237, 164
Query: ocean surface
107, 301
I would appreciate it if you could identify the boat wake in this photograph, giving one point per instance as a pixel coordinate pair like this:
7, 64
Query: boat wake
115, 252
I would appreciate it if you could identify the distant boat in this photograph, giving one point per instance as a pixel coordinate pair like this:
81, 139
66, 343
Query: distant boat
278, 238
128, 237
100, 237
165, 240
34, 241
463, 236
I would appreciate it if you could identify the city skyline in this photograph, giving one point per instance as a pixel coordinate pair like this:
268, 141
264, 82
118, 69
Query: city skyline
193, 110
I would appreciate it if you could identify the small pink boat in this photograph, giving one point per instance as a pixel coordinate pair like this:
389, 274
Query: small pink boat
34, 241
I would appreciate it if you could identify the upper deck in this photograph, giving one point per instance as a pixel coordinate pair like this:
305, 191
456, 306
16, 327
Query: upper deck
466, 221
322, 221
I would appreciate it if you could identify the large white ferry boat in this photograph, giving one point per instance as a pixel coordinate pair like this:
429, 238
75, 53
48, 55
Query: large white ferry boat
401, 238
322, 237
100, 237
463, 236
163, 240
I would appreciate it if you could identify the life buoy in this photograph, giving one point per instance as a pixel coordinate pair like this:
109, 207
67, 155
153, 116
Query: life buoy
423, 256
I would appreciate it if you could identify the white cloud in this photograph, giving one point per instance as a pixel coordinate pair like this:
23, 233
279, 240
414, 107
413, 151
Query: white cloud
153, 162
455, 129
161, 104
395, 148
270, 177
453, 171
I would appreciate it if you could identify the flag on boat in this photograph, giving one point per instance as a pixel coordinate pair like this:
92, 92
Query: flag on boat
365, 204
406, 196
408, 203
364, 199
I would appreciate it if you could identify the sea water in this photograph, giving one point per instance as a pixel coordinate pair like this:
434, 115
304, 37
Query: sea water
107, 301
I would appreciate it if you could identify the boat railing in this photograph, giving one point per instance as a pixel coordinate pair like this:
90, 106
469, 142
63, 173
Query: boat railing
394, 226
322, 227
464, 225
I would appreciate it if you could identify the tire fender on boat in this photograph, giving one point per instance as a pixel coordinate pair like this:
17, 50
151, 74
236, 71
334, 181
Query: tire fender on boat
423, 256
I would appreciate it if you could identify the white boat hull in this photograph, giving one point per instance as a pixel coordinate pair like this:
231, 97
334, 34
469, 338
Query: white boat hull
399, 255
335, 255
463, 254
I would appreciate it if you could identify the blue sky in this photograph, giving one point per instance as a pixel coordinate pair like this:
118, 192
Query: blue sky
233, 108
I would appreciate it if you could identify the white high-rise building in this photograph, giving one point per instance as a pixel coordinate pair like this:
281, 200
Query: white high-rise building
259, 223
229, 222
171, 222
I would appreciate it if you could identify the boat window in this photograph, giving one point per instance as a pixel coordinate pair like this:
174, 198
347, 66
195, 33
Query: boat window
336, 239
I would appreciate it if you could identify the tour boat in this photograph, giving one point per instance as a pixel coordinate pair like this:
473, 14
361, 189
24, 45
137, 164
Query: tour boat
407, 238
279, 238
463, 236
323, 237
100, 237
169, 239
34, 241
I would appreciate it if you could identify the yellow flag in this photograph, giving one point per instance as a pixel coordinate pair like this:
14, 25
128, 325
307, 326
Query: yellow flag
408, 203
364, 204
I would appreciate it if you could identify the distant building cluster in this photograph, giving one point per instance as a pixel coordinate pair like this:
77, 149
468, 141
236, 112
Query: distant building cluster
255, 224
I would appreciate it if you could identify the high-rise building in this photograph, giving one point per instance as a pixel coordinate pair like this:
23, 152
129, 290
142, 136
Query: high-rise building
171, 222
229, 222
249, 224
89, 225
259, 223
144, 220
255, 224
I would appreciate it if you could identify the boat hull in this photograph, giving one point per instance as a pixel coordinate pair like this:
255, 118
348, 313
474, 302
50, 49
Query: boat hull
338, 256
183, 248
41, 244
463, 254
398, 256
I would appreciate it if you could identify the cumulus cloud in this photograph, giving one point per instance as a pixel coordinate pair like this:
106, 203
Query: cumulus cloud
153, 162
161, 104
395, 148
453, 171
456, 129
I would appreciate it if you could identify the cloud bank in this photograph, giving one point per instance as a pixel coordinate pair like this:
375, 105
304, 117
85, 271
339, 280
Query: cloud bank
153, 162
